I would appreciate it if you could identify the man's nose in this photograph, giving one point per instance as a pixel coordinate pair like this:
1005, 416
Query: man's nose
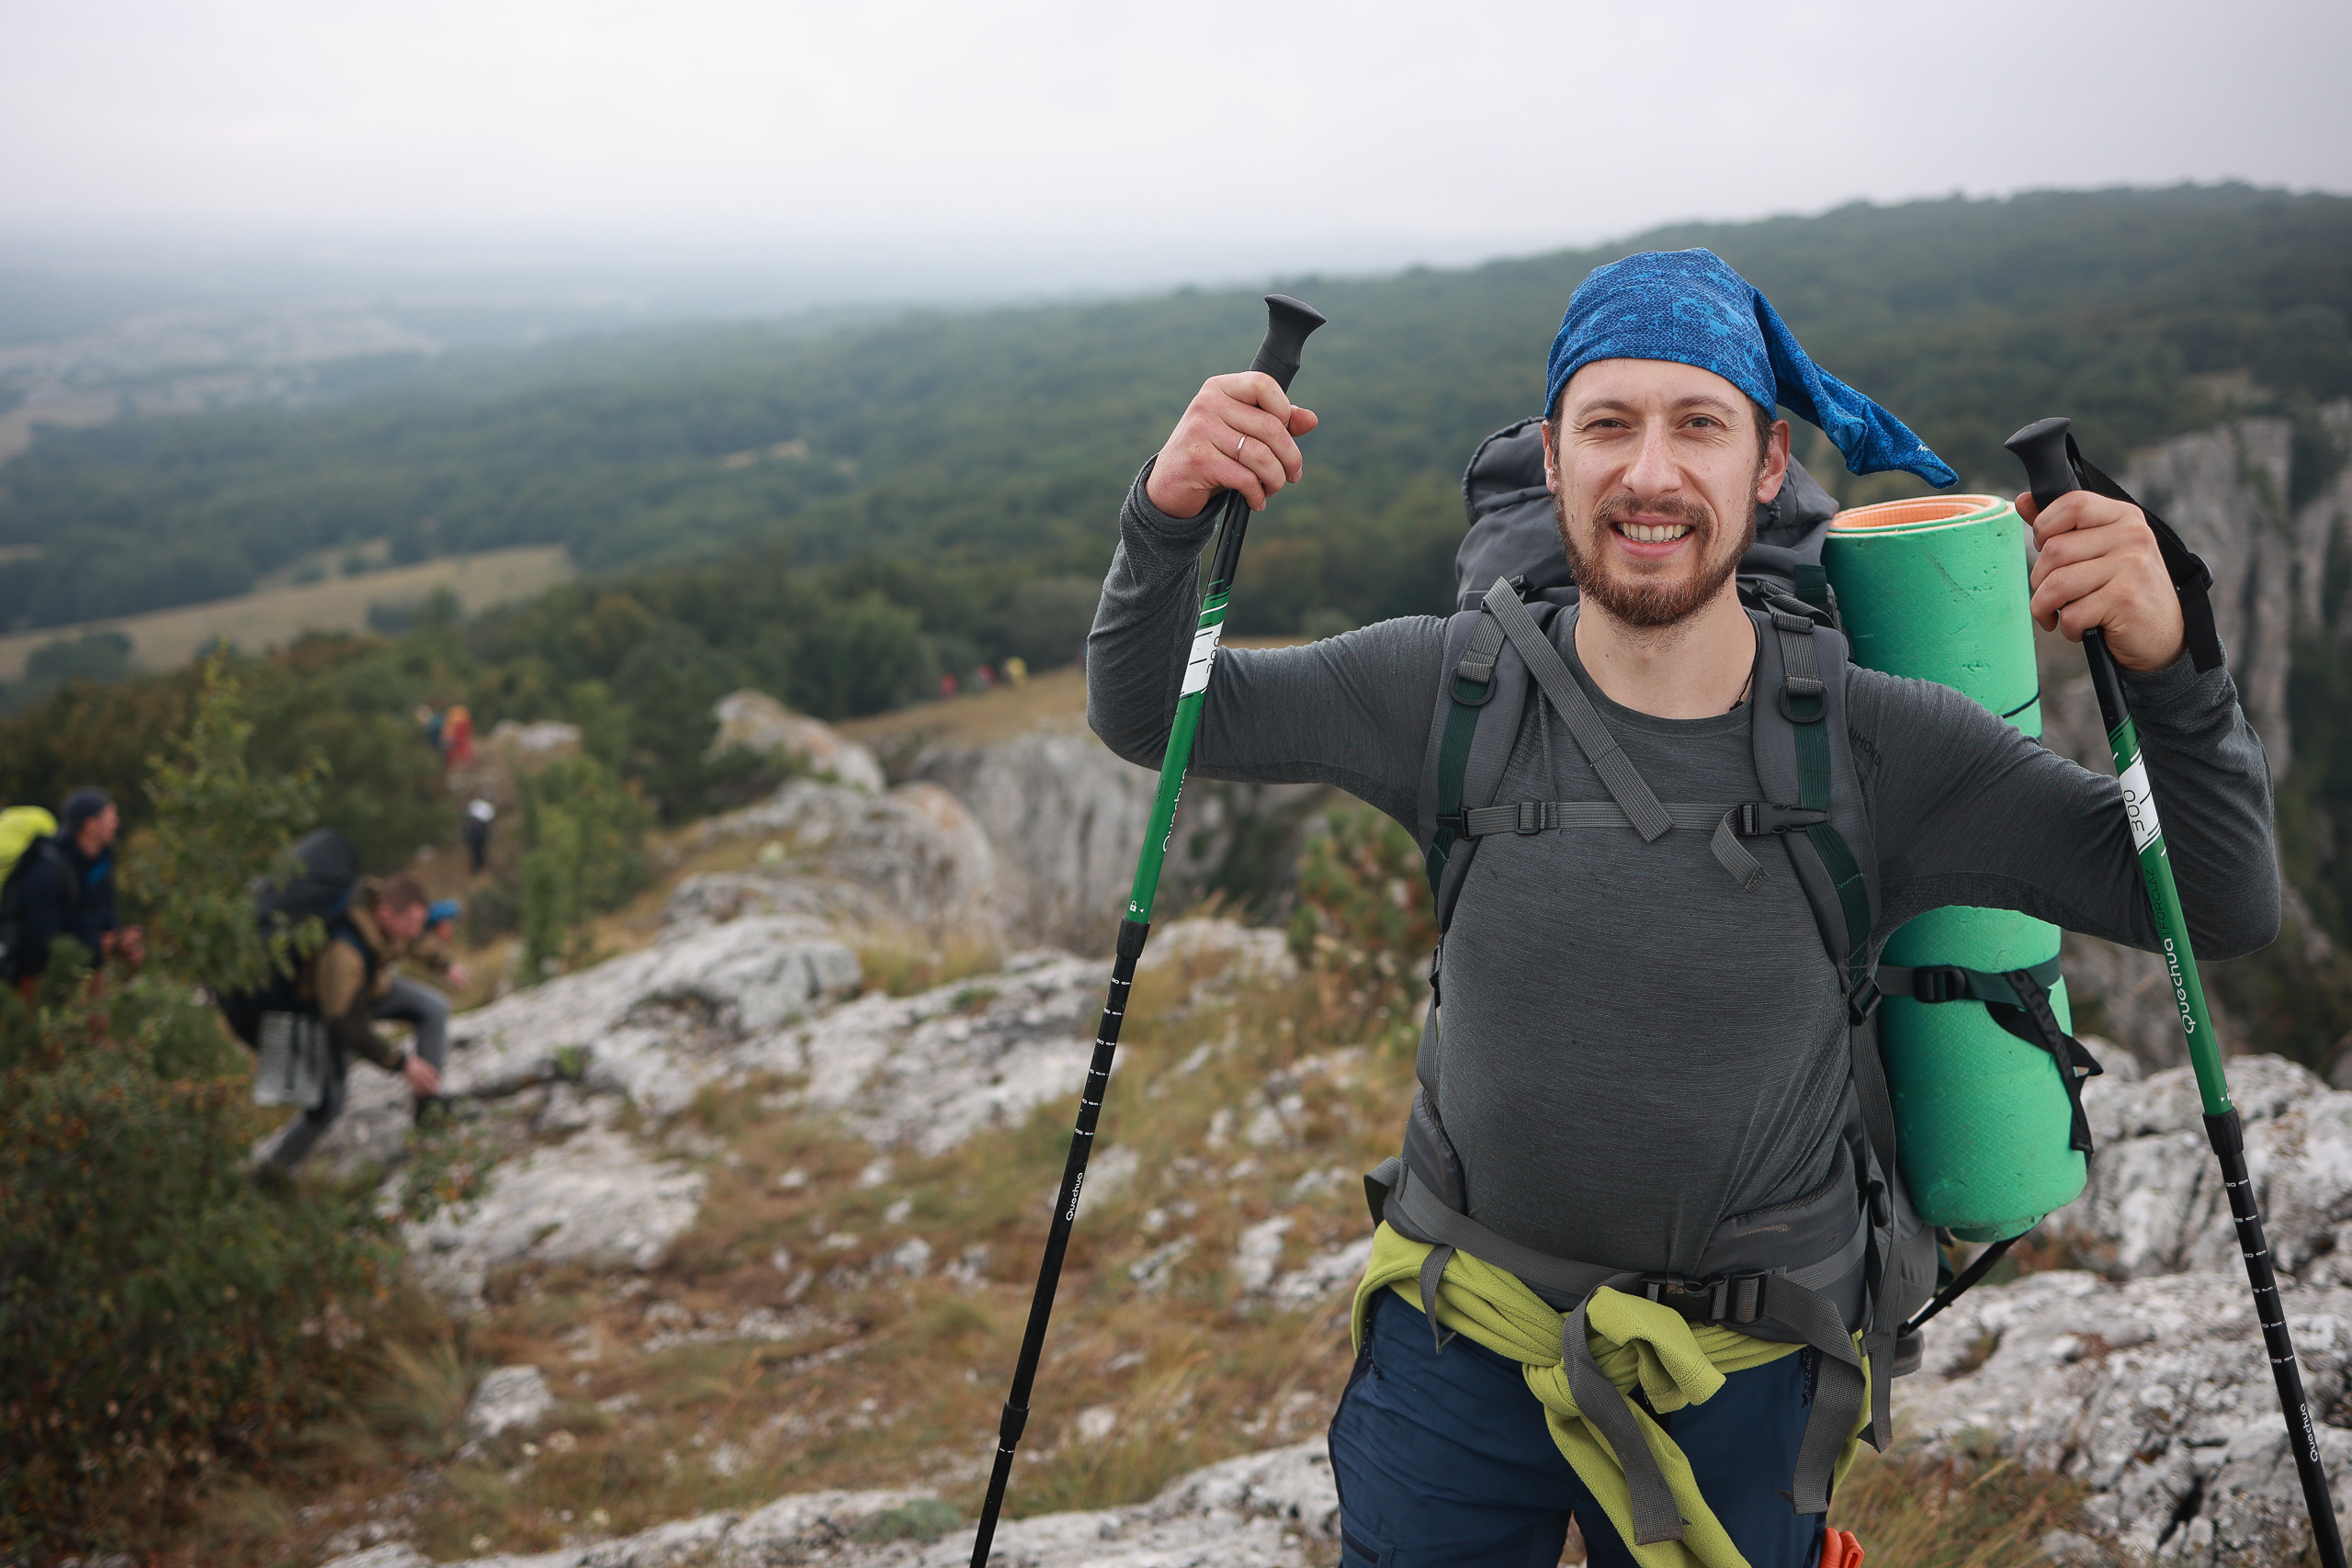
1653, 471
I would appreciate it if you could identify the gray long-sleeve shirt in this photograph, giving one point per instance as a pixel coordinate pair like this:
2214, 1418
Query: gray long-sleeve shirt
1634, 1050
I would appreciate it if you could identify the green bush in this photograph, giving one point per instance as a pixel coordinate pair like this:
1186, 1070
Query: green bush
1364, 926
164, 1320
583, 833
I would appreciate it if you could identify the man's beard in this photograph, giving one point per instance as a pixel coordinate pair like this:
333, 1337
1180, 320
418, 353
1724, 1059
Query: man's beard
1651, 602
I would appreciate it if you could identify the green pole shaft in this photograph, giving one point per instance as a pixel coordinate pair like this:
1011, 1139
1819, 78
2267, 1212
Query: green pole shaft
1206, 635
2172, 925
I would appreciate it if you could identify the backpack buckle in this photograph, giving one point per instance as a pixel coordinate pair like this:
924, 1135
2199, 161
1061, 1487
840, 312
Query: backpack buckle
1939, 983
1758, 818
1727, 1298
1531, 817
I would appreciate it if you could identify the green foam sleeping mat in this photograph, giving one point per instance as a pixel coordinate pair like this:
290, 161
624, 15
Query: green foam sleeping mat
1937, 588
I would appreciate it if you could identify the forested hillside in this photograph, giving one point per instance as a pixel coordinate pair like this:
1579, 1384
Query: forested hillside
1005, 436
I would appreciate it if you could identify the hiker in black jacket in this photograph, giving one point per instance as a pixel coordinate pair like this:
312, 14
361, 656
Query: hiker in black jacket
67, 889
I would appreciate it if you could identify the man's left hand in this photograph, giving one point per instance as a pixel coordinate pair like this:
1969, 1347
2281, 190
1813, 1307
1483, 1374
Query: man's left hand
127, 944
2098, 566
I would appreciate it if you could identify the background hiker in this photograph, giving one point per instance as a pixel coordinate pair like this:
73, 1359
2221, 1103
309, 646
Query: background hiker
346, 980
63, 886
423, 1007
480, 815
1646, 1064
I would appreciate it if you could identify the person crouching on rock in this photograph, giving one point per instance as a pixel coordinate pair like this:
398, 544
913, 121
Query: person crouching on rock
348, 980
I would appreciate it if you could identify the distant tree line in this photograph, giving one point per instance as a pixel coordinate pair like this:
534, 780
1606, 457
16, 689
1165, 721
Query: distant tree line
1006, 435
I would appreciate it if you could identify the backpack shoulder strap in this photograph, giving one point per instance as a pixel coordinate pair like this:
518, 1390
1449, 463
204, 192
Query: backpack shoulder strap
1805, 757
1472, 731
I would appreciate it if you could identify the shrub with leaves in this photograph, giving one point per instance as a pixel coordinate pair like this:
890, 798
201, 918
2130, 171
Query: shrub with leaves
1365, 927
164, 1319
584, 828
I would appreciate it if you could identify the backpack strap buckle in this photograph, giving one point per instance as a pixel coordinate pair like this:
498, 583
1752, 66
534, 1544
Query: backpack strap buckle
1939, 983
1531, 817
1758, 818
1727, 1298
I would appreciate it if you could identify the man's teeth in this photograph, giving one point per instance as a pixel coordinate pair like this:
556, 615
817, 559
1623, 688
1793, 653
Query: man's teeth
1653, 533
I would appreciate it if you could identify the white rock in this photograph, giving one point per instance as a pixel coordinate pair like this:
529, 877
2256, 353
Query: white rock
753, 721
791, 1529
687, 1543
2156, 1392
597, 1199
936, 1067
539, 742
1259, 1254
1324, 1276
1243, 952
914, 855
2156, 1205
1276, 1510
391, 1554
1067, 819
507, 1398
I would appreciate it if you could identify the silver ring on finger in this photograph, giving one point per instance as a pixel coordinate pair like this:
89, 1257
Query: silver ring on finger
1238, 447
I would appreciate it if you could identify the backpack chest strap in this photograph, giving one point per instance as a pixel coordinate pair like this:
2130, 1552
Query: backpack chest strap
1730, 824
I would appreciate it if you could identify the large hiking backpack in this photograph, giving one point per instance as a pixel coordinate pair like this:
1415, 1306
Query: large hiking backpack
41, 849
326, 873
1854, 1254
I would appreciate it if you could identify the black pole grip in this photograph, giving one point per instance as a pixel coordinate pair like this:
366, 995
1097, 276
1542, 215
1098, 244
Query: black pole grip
2043, 447
1287, 324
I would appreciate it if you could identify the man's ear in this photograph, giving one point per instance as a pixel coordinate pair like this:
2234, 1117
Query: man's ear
1776, 463
1551, 459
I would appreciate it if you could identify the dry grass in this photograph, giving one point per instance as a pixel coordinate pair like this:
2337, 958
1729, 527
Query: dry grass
163, 640
1056, 698
1910, 1512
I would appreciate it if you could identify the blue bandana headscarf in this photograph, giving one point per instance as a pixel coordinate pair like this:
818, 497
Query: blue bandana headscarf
1691, 308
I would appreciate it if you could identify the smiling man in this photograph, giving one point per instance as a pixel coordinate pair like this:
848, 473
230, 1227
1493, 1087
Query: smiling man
1646, 1069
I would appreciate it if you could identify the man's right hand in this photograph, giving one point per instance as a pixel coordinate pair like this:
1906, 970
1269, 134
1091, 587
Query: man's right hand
1238, 433
421, 1076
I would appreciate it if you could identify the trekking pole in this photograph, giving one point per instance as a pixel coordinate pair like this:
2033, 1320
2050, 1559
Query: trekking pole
1287, 324
2043, 448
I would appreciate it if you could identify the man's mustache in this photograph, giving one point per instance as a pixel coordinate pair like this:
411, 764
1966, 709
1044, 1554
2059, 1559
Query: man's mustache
1681, 511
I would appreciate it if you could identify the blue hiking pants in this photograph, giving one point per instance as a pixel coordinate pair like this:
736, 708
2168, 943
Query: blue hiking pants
1443, 1460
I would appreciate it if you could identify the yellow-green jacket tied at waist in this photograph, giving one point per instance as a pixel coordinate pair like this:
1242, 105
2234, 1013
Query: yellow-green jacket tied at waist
1636, 1343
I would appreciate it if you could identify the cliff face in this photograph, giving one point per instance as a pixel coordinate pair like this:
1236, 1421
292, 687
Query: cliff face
1067, 821
2229, 493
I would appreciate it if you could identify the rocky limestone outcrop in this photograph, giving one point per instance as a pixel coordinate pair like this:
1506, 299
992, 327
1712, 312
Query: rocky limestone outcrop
1067, 819
753, 721
2151, 1384
543, 1073
912, 856
2156, 1392
1276, 1510
2154, 1204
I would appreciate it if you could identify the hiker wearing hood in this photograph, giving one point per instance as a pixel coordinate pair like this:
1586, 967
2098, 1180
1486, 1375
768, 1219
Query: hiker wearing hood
1636, 1056
65, 887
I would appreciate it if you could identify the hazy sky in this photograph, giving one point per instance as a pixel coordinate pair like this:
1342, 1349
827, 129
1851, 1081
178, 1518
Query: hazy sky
1142, 142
